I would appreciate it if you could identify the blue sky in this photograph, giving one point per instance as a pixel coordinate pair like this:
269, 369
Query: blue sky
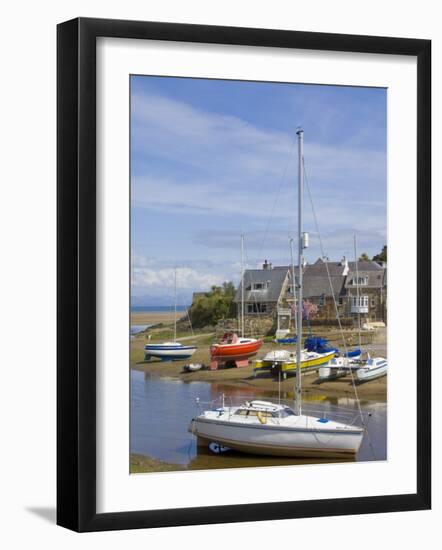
212, 159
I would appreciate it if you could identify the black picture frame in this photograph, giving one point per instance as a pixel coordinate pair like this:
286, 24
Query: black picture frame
76, 273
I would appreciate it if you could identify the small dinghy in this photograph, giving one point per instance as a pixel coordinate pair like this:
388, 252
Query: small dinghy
192, 367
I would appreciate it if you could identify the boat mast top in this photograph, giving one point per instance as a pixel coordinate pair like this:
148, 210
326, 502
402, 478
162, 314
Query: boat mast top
242, 286
298, 390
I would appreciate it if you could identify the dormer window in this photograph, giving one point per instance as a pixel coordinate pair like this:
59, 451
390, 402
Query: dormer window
259, 286
359, 281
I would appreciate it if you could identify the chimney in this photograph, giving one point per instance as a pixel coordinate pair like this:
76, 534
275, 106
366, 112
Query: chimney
344, 263
266, 265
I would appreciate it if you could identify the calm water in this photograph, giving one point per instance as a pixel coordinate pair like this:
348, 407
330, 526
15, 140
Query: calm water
162, 408
135, 329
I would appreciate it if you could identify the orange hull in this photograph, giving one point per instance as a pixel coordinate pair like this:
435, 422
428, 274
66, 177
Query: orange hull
235, 351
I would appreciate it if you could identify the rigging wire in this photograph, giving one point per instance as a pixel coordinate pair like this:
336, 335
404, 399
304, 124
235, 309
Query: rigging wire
325, 260
270, 217
292, 149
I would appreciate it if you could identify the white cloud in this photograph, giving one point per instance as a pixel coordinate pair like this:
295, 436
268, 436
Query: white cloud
218, 163
148, 278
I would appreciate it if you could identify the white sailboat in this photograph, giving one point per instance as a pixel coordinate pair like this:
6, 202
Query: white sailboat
170, 351
263, 427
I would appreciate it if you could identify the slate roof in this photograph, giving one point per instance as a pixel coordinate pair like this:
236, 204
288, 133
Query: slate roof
274, 279
372, 270
316, 282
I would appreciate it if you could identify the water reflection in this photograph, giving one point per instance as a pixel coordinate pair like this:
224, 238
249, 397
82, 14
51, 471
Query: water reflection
162, 408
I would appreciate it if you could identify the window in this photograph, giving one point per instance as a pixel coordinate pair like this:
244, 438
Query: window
359, 281
284, 413
373, 301
257, 308
259, 286
322, 300
359, 301
340, 301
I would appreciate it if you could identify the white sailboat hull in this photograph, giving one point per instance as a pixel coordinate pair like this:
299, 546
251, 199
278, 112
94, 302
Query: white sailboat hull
302, 441
168, 351
375, 368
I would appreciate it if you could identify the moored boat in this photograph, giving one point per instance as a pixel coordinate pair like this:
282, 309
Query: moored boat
285, 361
233, 347
340, 366
265, 428
168, 351
193, 367
375, 367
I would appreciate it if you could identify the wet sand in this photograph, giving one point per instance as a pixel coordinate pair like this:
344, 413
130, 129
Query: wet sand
244, 379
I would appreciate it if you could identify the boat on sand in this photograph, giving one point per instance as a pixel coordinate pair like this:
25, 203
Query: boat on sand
234, 348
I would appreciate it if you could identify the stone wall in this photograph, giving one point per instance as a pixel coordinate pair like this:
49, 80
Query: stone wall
253, 326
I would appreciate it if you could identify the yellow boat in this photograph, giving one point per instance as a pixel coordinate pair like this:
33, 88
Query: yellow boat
285, 361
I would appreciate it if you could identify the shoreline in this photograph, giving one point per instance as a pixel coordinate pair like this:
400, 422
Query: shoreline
242, 379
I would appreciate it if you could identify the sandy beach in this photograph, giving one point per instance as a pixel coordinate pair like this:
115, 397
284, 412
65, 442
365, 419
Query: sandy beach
151, 317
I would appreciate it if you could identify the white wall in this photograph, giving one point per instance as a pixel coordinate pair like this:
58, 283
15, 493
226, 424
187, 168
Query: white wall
27, 285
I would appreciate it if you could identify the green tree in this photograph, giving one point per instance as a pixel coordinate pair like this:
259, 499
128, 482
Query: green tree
213, 306
364, 257
382, 256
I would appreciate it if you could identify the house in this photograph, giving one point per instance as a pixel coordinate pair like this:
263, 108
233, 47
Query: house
353, 289
366, 291
264, 290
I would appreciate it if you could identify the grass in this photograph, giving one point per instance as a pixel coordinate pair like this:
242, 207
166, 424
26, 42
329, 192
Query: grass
140, 464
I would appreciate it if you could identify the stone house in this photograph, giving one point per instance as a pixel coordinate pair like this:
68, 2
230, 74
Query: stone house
268, 292
264, 290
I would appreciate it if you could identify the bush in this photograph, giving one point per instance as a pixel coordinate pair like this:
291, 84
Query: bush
213, 306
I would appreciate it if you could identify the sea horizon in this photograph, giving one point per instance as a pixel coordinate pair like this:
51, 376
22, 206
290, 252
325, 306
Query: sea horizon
157, 308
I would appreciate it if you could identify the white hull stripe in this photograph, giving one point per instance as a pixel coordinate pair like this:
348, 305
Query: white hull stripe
353, 431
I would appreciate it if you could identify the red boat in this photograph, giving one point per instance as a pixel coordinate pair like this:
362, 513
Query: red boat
234, 348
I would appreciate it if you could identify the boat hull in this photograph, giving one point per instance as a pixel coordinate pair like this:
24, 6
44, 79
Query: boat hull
273, 441
234, 352
286, 366
365, 374
328, 373
168, 353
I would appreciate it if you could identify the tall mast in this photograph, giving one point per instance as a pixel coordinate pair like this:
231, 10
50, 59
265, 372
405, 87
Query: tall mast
242, 286
293, 280
300, 134
174, 321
